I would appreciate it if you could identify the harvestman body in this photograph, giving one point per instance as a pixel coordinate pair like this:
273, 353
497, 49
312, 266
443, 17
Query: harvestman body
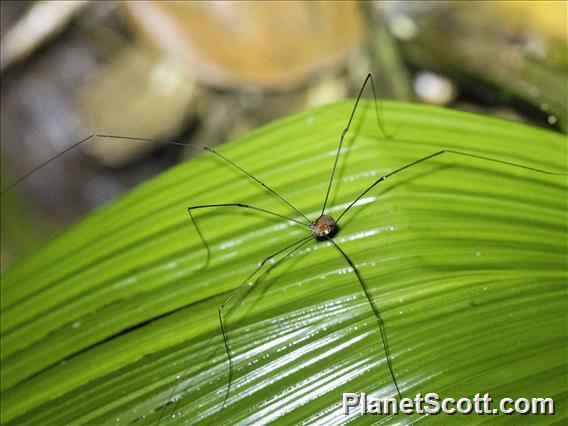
323, 228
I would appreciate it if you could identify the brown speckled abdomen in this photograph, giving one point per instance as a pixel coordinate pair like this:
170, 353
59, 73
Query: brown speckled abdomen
323, 227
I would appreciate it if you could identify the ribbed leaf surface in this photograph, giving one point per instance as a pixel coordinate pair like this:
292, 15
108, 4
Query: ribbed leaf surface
116, 320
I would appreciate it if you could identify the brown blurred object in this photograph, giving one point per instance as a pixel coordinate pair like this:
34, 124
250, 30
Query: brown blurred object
275, 45
137, 95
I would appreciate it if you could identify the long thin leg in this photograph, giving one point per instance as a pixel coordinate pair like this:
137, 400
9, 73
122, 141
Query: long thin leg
258, 181
45, 163
239, 205
369, 78
375, 312
225, 340
436, 154
301, 241
222, 317
129, 138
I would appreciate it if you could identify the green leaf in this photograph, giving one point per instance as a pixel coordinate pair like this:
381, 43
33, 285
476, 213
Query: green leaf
116, 319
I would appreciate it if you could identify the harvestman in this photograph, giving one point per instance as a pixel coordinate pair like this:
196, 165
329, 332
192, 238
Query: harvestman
323, 228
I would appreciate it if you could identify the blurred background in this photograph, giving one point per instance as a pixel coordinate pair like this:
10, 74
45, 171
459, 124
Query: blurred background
206, 73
